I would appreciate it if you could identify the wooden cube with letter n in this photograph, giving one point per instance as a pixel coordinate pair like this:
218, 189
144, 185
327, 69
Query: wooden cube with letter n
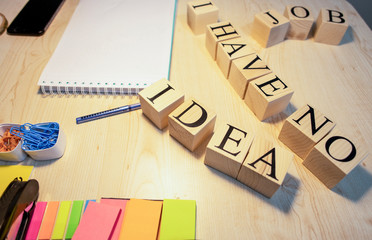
269, 28
267, 96
265, 167
201, 13
331, 26
334, 157
191, 123
228, 148
303, 129
159, 100
300, 22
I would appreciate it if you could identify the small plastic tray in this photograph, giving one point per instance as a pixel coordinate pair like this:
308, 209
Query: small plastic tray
17, 154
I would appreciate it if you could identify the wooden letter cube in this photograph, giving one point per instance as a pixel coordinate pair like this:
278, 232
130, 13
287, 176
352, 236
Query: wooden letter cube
245, 69
231, 49
334, 157
159, 100
218, 32
303, 129
228, 148
267, 96
191, 123
300, 22
265, 167
201, 13
269, 28
331, 26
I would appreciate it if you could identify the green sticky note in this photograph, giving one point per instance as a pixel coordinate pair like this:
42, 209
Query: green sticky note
75, 215
178, 219
61, 221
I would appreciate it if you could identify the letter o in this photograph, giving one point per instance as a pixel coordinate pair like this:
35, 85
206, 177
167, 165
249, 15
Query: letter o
351, 155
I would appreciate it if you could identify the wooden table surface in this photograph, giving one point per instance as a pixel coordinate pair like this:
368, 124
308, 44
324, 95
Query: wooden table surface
127, 156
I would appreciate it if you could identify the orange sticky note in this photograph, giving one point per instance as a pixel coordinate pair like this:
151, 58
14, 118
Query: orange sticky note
121, 203
48, 221
141, 219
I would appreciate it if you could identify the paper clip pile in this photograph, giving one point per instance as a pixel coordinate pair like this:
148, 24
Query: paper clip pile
37, 136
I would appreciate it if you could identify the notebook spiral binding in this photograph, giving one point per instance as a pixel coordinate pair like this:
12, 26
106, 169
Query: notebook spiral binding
60, 90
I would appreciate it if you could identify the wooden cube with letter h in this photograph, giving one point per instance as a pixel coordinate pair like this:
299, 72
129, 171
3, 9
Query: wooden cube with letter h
228, 148
334, 157
269, 28
300, 22
303, 129
265, 167
159, 100
201, 13
191, 123
331, 26
267, 96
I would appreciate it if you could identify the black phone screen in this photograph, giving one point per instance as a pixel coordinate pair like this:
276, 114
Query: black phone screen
35, 17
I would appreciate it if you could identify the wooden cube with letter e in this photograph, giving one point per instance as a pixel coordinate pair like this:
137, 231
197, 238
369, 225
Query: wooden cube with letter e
265, 167
334, 157
331, 26
267, 96
201, 13
159, 100
305, 128
300, 22
228, 148
269, 28
191, 123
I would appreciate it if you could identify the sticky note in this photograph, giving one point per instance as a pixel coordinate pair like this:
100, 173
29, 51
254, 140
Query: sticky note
37, 218
141, 219
8, 173
15, 230
76, 210
86, 203
61, 220
121, 203
178, 219
48, 221
98, 222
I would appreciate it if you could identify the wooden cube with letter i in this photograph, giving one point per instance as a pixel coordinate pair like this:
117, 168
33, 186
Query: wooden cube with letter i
159, 100
191, 123
201, 13
265, 167
267, 96
300, 22
331, 27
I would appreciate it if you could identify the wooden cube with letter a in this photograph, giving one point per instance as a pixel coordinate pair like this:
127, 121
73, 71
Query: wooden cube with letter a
228, 148
191, 123
201, 13
265, 167
334, 157
231, 49
331, 26
267, 96
269, 28
303, 129
300, 22
245, 69
159, 100
218, 32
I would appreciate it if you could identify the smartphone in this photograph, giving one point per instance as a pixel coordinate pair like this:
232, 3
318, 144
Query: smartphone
35, 17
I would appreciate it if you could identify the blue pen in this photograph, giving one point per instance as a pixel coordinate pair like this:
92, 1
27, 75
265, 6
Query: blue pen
108, 113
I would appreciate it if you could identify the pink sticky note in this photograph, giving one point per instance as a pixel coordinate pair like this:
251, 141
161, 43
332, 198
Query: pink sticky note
13, 231
98, 222
121, 203
37, 218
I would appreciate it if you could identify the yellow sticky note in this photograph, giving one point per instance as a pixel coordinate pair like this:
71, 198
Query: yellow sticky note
8, 173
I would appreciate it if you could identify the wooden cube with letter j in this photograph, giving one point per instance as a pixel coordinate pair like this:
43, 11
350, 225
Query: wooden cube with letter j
191, 123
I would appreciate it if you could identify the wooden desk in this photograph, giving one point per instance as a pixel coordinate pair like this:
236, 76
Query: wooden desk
126, 156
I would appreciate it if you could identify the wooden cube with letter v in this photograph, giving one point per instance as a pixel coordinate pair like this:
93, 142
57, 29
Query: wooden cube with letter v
265, 167
191, 123
201, 13
267, 96
228, 148
159, 100
334, 157
303, 129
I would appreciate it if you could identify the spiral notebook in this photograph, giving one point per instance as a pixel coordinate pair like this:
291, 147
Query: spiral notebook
112, 47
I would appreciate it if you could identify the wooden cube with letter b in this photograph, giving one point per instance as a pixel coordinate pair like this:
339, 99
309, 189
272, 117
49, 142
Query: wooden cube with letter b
300, 22
334, 157
269, 28
267, 96
265, 167
228, 148
201, 13
331, 26
159, 100
191, 123
303, 129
